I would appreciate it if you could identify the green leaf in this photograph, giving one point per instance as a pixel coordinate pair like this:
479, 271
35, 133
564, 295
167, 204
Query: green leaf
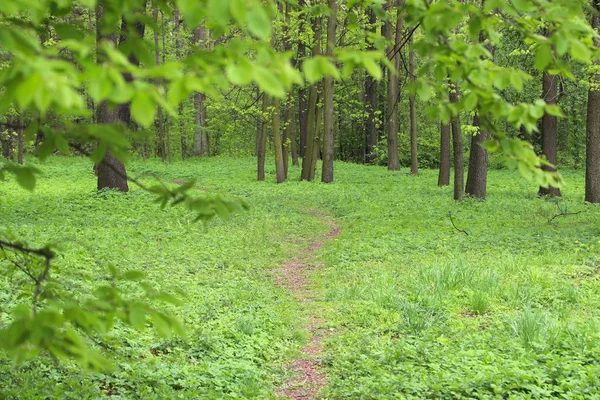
239, 74
143, 109
268, 82
543, 57
259, 23
27, 90
580, 51
26, 177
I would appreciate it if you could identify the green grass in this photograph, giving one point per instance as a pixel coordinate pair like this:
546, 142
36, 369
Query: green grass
417, 309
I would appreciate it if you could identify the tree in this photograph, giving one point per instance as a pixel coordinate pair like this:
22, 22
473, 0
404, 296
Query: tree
457, 149
549, 130
311, 151
478, 157
414, 162
327, 174
592, 163
261, 137
395, 37
444, 173
279, 167
200, 136
371, 97
161, 122
111, 171
183, 139
478, 161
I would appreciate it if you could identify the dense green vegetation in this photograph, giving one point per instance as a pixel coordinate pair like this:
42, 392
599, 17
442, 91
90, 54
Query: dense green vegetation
416, 309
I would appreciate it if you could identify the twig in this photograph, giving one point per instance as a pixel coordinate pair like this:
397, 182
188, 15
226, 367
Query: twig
563, 213
454, 225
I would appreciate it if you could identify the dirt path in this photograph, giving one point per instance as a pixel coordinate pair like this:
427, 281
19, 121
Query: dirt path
309, 378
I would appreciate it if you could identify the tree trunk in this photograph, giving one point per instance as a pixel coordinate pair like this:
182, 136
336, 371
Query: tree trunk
328, 138
111, 171
592, 156
200, 137
444, 174
478, 157
166, 129
312, 133
20, 141
478, 163
393, 91
457, 147
371, 102
414, 163
316, 147
261, 147
549, 129
279, 167
159, 115
177, 21
302, 93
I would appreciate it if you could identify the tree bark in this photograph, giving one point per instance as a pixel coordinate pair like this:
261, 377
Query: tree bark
159, 115
549, 129
457, 147
20, 141
262, 139
478, 163
166, 129
592, 156
316, 147
200, 136
478, 157
312, 133
279, 164
328, 138
177, 21
371, 102
111, 171
414, 161
393, 92
444, 173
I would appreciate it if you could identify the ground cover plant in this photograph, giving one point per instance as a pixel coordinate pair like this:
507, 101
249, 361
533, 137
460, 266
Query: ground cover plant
414, 307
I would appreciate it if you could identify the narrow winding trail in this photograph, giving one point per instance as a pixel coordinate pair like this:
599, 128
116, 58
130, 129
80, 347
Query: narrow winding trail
309, 378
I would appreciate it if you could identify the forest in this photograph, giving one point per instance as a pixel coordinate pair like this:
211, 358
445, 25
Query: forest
301, 199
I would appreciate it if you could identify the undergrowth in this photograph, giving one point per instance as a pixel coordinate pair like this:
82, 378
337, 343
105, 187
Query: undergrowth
416, 309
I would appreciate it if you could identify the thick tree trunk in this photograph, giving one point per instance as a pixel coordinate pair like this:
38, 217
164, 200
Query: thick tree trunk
444, 174
478, 163
111, 171
549, 129
592, 157
262, 139
371, 102
457, 147
393, 92
414, 162
279, 164
328, 138
478, 157
200, 136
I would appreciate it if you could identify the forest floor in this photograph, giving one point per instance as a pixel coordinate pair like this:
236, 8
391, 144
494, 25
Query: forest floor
390, 301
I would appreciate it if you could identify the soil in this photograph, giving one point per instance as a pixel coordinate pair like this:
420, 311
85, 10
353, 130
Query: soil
309, 377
